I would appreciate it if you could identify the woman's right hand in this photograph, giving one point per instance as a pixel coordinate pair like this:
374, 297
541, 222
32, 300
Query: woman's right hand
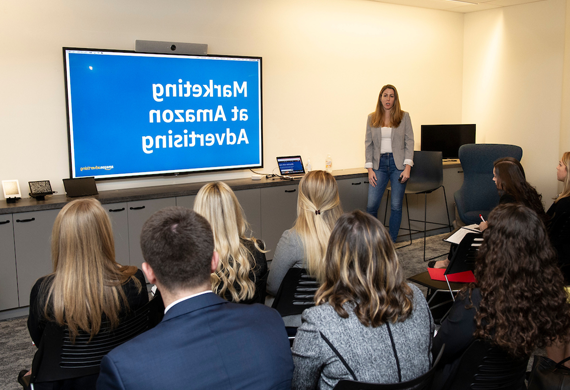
483, 226
372, 177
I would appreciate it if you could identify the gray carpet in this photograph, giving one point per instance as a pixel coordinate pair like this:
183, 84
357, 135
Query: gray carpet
17, 351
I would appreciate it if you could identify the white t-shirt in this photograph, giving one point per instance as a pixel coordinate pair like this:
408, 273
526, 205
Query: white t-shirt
386, 146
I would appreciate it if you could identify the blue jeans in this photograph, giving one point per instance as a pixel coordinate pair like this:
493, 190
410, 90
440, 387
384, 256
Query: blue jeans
387, 171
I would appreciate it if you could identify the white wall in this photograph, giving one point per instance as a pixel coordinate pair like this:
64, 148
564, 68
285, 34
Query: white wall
513, 83
565, 115
324, 62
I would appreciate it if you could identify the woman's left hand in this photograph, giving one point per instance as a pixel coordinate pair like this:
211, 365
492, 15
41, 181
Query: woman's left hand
406, 174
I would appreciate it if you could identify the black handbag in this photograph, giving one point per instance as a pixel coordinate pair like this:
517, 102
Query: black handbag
549, 375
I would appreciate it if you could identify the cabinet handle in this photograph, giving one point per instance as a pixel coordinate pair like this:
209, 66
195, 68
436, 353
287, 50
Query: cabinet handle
117, 210
290, 190
366, 182
356, 184
26, 220
4, 222
137, 208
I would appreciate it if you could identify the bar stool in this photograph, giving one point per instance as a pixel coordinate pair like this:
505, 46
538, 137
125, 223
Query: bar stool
426, 177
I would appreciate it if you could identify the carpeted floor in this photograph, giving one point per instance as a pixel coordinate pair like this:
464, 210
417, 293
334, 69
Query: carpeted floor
17, 351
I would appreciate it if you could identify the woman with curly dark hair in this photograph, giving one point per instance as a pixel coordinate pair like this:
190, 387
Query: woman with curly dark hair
519, 302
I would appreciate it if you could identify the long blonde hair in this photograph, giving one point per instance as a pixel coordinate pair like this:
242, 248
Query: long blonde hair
318, 208
218, 204
362, 269
396, 113
86, 278
566, 190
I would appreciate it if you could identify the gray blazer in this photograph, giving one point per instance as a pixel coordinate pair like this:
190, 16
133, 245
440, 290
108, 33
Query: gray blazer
368, 351
402, 142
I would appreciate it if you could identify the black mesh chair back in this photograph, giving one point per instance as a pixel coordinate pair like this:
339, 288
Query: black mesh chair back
423, 382
58, 358
484, 366
427, 173
296, 293
465, 256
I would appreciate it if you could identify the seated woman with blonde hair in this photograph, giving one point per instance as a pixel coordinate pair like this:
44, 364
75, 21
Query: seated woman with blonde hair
558, 227
305, 245
369, 325
88, 291
242, 270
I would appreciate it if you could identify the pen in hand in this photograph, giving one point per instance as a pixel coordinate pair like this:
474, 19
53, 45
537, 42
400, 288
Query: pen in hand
483, 224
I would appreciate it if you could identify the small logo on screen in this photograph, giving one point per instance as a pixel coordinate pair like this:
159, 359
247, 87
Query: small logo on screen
97, 168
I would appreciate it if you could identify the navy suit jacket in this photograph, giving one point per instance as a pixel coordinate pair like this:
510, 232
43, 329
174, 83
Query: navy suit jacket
204, 342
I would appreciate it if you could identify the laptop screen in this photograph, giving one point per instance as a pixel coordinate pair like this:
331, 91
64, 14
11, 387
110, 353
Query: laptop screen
291, 165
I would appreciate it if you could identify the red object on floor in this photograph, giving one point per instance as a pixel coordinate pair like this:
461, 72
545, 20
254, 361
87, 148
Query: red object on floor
461, 277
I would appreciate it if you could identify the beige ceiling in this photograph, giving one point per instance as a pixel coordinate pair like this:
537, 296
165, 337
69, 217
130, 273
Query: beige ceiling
456, 6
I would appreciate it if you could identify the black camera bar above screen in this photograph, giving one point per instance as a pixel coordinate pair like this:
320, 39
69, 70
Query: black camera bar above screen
447, 139
138, 114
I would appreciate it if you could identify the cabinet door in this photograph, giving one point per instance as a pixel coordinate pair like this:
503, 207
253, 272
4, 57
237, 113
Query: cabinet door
186, 201
119, 218
138, 213
8, 282
32, 233
250, 201
278, 213
353, 193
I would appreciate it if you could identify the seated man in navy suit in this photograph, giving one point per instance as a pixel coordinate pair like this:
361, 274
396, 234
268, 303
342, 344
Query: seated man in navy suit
203, 341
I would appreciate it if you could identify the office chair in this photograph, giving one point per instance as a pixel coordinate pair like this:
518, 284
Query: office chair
58, 358
426, 177
486, 366
296, 293
478, 194
423, 382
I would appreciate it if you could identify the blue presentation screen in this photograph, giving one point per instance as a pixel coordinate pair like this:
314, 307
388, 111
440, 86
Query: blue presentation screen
134, 114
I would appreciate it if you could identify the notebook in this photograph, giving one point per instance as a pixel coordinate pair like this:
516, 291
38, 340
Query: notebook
291, 166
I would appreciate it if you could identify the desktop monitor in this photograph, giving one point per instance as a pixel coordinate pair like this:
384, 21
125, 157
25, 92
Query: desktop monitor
447, 139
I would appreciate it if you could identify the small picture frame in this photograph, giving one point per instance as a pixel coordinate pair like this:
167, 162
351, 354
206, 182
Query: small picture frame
40, 188
11, 189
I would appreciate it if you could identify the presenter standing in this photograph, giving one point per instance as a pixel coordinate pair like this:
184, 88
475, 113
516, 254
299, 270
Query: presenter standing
389, 154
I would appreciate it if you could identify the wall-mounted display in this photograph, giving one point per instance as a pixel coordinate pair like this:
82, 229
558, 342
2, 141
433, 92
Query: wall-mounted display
137, 114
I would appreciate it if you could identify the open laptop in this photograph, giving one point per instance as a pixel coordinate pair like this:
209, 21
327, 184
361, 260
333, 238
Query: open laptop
84, 186
291, 166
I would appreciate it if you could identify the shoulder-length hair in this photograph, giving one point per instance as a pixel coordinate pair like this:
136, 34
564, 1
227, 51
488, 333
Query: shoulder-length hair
396, 113
218, 204
318, 208
523, 302
362, 270
86, 278
566, 190
512, 180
